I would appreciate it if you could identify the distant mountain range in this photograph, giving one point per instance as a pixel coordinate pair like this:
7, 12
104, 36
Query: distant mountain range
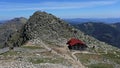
109, 33
2, 21
83, 20
116, 25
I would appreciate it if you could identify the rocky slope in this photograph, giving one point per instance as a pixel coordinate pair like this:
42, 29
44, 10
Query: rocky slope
9, 27
43, 40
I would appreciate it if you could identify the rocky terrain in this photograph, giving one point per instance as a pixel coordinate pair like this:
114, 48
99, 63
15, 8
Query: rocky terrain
9, 27
42, 44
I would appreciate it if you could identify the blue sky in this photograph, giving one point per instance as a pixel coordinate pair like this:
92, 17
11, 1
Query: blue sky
61, 8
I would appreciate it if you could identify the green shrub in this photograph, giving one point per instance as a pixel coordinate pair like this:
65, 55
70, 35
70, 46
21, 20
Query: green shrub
100, 65
85, 58
113, 57
10, 53
32, 47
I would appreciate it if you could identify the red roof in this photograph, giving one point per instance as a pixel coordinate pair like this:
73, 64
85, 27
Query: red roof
74, 41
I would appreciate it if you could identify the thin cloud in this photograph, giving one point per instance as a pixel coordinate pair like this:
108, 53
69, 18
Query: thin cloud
52, 5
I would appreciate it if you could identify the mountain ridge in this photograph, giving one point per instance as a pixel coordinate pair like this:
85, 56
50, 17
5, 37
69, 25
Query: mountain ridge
83, 20
108, 33
9, 27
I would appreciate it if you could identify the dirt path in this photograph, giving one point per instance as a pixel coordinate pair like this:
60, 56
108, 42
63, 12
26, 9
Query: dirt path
76, 60
84, 52
63, 53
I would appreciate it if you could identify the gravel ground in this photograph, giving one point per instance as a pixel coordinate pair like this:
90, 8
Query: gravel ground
21, 64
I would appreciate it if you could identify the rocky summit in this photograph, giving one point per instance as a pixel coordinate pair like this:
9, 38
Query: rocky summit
48, 28
42, 44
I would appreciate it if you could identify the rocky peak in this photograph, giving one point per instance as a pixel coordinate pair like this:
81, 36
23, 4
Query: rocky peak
47, 27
